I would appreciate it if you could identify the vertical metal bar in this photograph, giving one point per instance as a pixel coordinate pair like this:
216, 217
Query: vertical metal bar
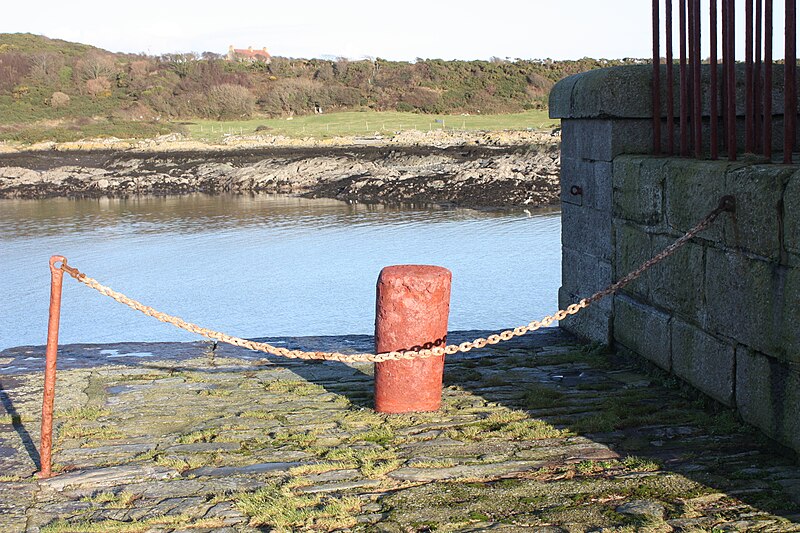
670, 82
690, 61
790, 83
46, 443
697, 108
749, 127
656, 79
684, 105
758, 87
725, 61
730, 81
768, 78
714, 85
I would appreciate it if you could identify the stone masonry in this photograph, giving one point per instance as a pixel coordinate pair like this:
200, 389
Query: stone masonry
723, 314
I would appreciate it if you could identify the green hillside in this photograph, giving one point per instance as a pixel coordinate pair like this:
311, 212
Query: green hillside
28, 43
57, 90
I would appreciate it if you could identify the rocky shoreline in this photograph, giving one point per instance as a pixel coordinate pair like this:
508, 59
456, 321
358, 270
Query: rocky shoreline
486, 170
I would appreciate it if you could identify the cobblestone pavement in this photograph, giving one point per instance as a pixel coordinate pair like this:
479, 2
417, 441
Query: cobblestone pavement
541, 434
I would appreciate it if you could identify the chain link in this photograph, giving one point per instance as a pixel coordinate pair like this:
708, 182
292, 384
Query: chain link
726, 204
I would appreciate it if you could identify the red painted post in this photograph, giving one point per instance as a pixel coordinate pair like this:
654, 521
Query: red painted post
46, 443
413, 304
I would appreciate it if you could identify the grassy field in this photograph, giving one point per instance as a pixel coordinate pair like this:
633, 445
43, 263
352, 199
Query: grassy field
367, 123
352, 123
39, 132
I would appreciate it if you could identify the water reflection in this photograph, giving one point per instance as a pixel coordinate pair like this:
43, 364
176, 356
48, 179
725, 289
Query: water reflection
263, 264
201, 212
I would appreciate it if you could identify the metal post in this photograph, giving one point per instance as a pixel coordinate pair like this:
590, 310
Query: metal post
46, 444
690, 59
714, 104
670, 83
730, 78
697, 108
758, 89
656, 80
768, 78
684, 105
749, 112
790, 83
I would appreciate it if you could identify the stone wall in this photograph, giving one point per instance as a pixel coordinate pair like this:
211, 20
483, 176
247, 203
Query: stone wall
723, 314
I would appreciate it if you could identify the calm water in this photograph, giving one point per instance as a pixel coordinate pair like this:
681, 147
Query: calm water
267, 265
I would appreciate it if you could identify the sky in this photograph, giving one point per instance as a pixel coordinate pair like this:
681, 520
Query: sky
406, 30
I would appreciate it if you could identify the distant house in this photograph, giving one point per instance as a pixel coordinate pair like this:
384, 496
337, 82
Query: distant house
248, 55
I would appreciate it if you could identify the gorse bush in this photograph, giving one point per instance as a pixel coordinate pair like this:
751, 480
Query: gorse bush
59, 99
225, 102
13, 69
98, 87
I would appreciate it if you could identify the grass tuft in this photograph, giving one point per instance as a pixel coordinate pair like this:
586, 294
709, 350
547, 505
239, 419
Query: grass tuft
295, 387
640, 464
538, 396
158, 523
508, 424
276, 506
204, 435
78, 430
82, 413
122, 500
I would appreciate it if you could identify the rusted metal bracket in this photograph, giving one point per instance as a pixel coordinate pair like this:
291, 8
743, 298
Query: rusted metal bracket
727, 203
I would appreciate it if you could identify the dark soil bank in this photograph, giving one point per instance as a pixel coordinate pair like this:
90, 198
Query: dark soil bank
473, 176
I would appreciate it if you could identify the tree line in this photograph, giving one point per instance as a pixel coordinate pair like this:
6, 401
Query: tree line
42, 78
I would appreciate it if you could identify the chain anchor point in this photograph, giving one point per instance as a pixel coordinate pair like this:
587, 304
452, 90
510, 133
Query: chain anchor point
727, 203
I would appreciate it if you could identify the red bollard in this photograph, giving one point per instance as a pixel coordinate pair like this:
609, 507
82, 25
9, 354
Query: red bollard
413, 303
46, 444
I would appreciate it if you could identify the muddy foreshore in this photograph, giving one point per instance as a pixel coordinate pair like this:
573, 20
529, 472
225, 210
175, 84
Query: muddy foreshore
463, 173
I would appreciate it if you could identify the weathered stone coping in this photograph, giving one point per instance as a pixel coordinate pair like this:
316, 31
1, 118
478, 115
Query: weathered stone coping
25, 359
625, 92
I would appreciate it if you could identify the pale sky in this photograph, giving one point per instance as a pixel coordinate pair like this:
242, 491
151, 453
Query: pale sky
405, 30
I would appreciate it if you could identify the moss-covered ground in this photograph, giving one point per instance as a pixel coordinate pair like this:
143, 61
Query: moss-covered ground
544, 435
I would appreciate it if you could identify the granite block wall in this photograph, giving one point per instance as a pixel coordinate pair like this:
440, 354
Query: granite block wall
722, 314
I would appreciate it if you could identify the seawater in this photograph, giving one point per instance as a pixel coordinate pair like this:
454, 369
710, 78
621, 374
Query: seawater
263, 265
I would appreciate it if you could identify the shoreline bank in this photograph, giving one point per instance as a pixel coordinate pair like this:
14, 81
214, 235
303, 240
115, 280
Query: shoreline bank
502, 169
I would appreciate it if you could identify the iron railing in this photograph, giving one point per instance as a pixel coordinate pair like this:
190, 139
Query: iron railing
758, 82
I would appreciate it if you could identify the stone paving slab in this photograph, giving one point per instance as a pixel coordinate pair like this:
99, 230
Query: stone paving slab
540, 434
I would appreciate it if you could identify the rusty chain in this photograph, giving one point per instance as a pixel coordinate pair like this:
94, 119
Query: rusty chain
727, 203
